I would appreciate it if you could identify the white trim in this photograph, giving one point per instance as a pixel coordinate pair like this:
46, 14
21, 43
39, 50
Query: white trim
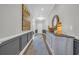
13, 36
76, 37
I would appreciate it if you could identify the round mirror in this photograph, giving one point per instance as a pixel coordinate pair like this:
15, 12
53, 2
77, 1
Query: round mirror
55, 22
57, 25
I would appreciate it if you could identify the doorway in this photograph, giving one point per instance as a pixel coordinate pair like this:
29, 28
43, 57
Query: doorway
39, 27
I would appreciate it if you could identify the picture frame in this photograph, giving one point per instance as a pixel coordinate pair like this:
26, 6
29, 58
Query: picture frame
26, 23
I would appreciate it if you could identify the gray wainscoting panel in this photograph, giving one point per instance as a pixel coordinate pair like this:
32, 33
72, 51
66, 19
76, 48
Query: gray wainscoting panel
29, 37
60, 45
11, 47
15, 45
24, 40
76, 47
63, 46
69, 46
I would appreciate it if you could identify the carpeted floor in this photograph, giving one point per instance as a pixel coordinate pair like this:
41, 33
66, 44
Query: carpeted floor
37, 47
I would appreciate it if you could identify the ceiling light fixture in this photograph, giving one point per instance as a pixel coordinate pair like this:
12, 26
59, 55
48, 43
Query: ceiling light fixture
41, 18
42, 9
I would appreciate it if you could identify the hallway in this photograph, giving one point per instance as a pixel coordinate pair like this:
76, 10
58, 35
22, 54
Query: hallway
39, 29
50, 44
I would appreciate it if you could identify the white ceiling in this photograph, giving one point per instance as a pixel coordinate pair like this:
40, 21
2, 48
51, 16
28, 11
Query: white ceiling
36, 12
35, 9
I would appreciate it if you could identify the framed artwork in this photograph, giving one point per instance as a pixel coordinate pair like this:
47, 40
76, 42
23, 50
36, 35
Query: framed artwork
26, 23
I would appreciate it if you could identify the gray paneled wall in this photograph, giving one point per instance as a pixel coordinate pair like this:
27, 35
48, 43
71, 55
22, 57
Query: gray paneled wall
70, 46
10, 47
24, 40
76, 47
61, 45
15, 45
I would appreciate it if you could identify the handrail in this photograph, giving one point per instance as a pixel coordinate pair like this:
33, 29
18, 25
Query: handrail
13, 36
47, 45
28, 44
26, 47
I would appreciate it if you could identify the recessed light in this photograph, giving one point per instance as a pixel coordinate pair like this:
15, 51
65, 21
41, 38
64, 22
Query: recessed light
42, 9
41, 18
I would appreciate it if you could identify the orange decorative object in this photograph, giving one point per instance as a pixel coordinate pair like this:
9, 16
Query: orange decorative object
59, 28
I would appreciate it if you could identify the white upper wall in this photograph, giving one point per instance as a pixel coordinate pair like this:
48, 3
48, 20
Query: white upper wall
69, 16
40, 10
10, 19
